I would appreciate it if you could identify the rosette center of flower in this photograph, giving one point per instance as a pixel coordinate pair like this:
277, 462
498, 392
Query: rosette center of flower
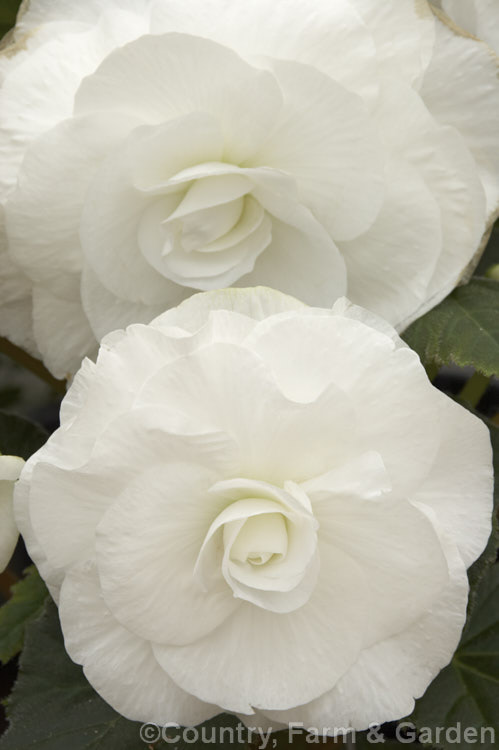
205, 228
261, 539
263, 543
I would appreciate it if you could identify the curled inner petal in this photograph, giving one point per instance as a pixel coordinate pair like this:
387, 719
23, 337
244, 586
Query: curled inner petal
265, 544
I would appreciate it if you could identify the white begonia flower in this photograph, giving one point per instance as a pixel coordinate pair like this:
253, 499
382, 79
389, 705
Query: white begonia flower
253, 505
10, 469
153, 148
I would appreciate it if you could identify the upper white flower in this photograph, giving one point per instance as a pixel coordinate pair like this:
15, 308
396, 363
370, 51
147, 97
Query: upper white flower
10, 469
252, 504
151, 148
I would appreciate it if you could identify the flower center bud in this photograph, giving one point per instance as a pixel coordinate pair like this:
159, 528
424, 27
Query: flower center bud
260, 540
205, 229
264, 544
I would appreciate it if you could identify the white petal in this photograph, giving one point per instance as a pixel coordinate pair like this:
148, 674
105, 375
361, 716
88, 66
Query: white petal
43, 213
388, 385
325, 138
118, 664
16, 307
228, 388
365, 476
398, 550
162, 77
478, 17
114, 207
301, 260
106, 312
461, 89
440, 155
23, 521
10, 469
403, 33
329, 36
38, 92
65, 521
211, 192
459, 487
139, 351
344, 308
258, 304
390, 266
62, 332
261, 519
210, 269
388, 676
16, 324
247, 660
158, 525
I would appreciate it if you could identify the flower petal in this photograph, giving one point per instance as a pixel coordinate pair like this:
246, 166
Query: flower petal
111, 217
381, 276
158, 525
398, 550
62, 332
106, 312
403, 33
136, 687
387, 384
330, 36
204, 390
43, 213
460, 492
461, 89
440, 155
301, 260
479, 18
37, 92
389, 675
324, 137
167, 76
10, 469
256, 303
237, 680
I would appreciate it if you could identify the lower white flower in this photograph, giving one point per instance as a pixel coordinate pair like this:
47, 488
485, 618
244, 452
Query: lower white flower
253, 505
10, 469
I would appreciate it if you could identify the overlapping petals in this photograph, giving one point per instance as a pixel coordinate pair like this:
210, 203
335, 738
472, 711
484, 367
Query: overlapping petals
273, 491
195, 146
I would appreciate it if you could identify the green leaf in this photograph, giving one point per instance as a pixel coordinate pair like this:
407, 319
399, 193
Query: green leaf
26, 603
467, 691
8, 12
53, 707
463, 329
20, 437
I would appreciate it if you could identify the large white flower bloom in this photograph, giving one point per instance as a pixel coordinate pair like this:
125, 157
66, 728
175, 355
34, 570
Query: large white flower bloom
253, 504
10, 469
150, 148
